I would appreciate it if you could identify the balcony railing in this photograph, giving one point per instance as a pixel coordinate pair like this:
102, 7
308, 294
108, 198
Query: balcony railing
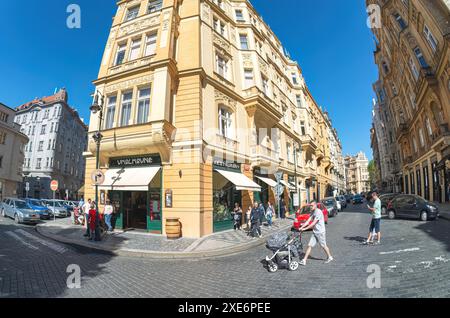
263, 152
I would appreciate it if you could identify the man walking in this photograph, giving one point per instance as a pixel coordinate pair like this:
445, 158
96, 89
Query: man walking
108, 212
375, 225
316, 222
256, 221
86, 207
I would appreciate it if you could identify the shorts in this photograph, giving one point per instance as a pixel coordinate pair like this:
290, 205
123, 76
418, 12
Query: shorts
320, 238
375, 225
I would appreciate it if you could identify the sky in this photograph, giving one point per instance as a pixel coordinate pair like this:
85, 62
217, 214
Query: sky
329, 39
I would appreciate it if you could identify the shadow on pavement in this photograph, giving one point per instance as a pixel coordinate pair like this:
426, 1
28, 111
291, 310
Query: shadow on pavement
33, 266
438, 230
355, 238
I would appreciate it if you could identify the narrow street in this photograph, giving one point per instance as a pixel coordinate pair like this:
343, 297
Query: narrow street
413, 257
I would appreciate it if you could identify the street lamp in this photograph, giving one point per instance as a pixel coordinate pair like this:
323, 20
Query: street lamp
97, 108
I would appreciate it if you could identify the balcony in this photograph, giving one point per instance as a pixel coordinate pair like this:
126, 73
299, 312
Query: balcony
226, 143
264, 156
308, 143
258, 104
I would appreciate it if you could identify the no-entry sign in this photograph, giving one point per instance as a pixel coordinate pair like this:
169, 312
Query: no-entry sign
54, 185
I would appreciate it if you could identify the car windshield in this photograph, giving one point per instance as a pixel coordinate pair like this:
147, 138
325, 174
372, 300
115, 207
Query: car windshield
328, 202
58, 204
36, 203
21, 205
307, 210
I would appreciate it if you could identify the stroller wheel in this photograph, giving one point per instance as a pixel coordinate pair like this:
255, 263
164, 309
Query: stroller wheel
293, 266
272, 267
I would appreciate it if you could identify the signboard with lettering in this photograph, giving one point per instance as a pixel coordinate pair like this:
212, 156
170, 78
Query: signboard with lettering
226, 165
135, 161
169, 198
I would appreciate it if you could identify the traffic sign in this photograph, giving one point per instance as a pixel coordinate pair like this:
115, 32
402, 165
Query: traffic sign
279, 176
98, 177
27, 186
54, 185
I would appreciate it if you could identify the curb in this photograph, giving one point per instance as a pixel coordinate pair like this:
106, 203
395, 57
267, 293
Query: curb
164, 255
445, 217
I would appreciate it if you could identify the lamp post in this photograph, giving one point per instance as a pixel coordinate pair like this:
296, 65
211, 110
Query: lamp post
97, 107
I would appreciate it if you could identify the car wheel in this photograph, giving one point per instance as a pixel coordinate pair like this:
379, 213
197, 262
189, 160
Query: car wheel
391, 214
16, 219
424, 216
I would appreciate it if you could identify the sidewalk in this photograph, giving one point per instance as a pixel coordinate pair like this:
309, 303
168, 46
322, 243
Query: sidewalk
139, 244
444, 210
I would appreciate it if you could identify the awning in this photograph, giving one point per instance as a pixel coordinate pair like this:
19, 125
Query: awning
131, 179
290, 186
268, 181
241, 182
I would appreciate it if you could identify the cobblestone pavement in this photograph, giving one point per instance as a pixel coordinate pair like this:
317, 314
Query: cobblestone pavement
413, 258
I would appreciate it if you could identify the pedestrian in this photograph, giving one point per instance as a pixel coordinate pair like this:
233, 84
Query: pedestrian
375, 225
237, 216
283, 210
255, 220
247, 218
92, 221
269, 214
108, 212
85, 209
316, 222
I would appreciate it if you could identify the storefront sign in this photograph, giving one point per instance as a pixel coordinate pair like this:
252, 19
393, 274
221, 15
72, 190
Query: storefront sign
135, 161
226, 165
169, 199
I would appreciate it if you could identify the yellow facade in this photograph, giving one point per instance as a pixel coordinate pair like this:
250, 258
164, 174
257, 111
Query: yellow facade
221, 87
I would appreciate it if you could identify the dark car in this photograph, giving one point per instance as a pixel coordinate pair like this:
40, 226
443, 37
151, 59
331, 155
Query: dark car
357, 199
385, 199
331, 205
40, 208
348, 198
412, 206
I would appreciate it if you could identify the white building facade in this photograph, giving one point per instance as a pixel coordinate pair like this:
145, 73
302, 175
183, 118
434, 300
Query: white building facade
57, 140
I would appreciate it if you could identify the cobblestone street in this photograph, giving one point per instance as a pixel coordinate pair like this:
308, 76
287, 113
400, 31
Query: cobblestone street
414, 259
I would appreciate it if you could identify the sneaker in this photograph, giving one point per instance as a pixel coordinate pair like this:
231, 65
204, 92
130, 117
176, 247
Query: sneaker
329, 260
377, 243
302, 262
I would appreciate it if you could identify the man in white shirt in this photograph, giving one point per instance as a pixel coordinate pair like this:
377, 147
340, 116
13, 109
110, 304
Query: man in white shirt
108, 211
316, 222
86, 207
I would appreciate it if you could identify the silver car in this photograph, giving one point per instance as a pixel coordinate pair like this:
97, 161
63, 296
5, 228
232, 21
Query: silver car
57, 208
19, 210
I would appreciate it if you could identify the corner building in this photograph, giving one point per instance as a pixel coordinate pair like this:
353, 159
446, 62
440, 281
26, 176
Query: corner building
201, 107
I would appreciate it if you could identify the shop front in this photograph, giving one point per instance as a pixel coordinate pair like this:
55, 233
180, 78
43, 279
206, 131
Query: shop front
291, 189
229, 183
134, 186
267, 185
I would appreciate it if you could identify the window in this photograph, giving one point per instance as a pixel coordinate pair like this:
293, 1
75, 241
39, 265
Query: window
56, 127
150, 44
219, 3
120, 56
154, 6
302, 128
132, 13
2, 137
265, 84
219, 27
414, 145
47, 162
420, 57
222, 66
39, 163
288, 152
4, 117
421, 138
414, 69
430, 38
294, 78
299, 101
126, 109
249, 80
400, 21
428, 125
143, 105
43, 129
110, 112
225, 122
135, 48
244, 41
239, 16
41, 146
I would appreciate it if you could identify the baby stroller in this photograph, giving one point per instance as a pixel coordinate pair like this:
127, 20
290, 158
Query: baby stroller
285, 248
78, 216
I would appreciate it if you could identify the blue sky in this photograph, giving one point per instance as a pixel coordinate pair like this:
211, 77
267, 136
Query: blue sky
329, 38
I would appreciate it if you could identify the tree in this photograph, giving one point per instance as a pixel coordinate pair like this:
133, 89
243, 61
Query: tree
372, 174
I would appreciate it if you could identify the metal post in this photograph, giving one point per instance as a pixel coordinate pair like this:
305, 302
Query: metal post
54, 207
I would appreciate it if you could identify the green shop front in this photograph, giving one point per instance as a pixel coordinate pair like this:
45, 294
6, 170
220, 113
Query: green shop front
228, 185
134, 186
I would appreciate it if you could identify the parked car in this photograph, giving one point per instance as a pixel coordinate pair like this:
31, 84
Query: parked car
412, 206
348, 198
303, 215
357, 199
70, 205
343, 201
40, 208
56, 207
19, 210
332, 206
385, 199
